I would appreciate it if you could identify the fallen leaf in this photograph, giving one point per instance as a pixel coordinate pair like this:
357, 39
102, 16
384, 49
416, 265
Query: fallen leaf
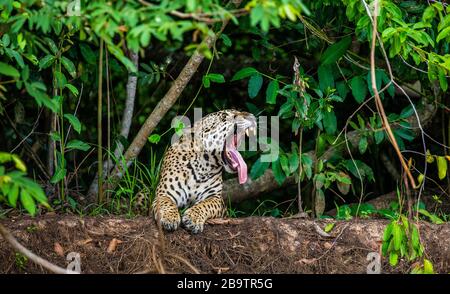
307, 261
113, 245
58, 249
327, 245
84, 242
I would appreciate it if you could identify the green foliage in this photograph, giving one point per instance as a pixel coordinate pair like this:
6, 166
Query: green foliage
137, 178
15, 186
49, 62
335, 51
401, 239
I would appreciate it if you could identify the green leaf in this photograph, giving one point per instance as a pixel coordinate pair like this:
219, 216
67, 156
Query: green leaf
344, 183
28, 202
359, 88
293, 162
330, 122
254, 85
397, 236
19, 163
226, 40
60, 173
258, 169
427, 267
206, 82
388, 232
363, 169
272, 92
362, 145
77, 144
379, 74
117, 52
73, 120
13, 195
36, 191
342, 89
407, 112
52, 45
335, 51
216, 78
415, 239
442, 166
8, 70
326, 78
16, 55
60, 79
328, 227
443, 34
307, 165
69, 66
55, 136
72, 89
442, 79
244, 73
393, 258
286, 108
319, 180
154, 138
278, 172
379, 136
404, 133
284, 162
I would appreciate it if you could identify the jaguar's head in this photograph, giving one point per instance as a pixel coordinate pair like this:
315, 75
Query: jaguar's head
224, 131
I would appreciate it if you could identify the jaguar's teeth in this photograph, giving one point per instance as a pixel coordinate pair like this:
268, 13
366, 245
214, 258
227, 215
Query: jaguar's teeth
247, 132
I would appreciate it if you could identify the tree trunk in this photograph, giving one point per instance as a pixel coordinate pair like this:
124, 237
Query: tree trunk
163, 106
248, 245
127, 117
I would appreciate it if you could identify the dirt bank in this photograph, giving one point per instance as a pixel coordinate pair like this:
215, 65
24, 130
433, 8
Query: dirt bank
248, 245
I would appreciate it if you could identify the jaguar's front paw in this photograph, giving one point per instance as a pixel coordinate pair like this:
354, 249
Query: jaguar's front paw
169, 222
192, 222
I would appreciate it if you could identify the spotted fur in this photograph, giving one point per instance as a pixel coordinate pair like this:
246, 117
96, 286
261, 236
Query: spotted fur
191, 174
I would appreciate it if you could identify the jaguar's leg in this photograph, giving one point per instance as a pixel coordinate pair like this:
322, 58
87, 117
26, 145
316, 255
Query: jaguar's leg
165, 212
195, 217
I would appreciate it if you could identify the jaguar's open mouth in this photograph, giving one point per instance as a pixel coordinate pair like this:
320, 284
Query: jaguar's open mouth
231, 156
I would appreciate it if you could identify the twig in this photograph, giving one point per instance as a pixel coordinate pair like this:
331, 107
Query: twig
203, 17
30, 255
99, 125
30, 133
193, 268
380, 104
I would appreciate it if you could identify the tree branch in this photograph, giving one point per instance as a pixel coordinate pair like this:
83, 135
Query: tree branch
163, 106
30, 255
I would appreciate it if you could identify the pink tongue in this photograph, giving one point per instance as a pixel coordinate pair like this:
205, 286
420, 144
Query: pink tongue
241, 165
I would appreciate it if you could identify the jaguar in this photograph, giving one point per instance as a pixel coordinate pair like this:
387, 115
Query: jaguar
191, 172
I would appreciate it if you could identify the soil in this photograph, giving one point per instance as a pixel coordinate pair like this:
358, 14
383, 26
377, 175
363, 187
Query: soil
247, 245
